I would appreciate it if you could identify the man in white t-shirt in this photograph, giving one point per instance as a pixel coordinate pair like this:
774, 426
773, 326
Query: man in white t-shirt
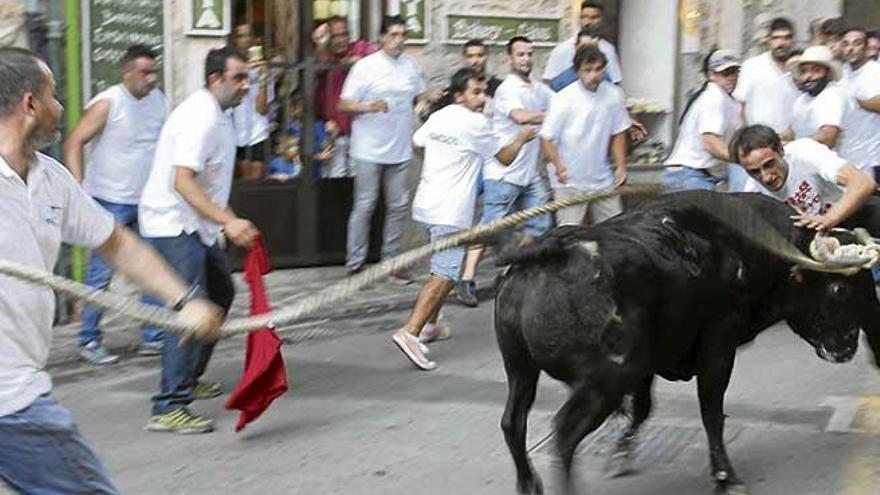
765, 86
518, 101
699, 158
41, 206
457, 140
183, 208
861, 138
820, 185
123, 124
380, 92
585, 119
820, 110
562, 55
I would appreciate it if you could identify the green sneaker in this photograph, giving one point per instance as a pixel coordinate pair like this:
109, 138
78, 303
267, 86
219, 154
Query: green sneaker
207, 390
180, 421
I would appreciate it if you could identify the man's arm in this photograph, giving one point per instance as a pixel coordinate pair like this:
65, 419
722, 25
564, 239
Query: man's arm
787, 135
551, 153
126, 253
858, 186
507, 154
827, 135
618, 155
352, 107
526, 117
240, 231
262, 100
90, 124
715, 146
871, 104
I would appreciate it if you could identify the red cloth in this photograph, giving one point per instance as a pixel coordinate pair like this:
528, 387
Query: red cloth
264, 378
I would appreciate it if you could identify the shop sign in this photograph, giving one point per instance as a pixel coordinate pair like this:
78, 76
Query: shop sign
497, 30
110, 27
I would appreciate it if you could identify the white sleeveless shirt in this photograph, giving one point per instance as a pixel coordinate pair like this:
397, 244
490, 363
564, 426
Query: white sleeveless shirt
120, 157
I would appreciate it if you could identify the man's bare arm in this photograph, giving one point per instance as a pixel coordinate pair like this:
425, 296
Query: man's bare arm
507, 154
827, 135
129, 255
715, 146
525, 117
240, 231
871, 104
858, 186
90, 124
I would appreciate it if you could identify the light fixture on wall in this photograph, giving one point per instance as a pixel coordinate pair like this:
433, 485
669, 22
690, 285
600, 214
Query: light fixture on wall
690, 17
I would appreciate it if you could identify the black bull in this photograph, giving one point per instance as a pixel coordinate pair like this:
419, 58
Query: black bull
664, 289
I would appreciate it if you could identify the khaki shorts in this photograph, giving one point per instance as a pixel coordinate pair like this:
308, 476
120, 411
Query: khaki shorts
599, 211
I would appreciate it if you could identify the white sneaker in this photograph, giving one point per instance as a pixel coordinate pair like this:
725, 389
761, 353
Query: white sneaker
432, 332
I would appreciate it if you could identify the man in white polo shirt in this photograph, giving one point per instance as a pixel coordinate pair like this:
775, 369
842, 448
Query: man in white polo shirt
380, 91
861, 137
457, 140
123, 124
820, 110
765, 87
585, 119
518, 101
700, 156
562, 55
41, 206
804, 174
182, 211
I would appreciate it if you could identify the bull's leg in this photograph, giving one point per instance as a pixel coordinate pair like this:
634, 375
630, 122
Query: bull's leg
522, 381
621, 459
871, 327
584, 411
713, 375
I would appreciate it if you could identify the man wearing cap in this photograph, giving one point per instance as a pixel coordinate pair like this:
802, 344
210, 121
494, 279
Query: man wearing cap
699, 158
820, 109
765, 86
860, 144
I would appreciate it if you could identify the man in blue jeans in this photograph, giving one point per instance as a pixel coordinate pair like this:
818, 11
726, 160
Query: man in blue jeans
124, 123
183, 208
41, 448
519, 101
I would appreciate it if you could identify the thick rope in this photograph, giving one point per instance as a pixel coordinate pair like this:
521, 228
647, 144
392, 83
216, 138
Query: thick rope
165, 318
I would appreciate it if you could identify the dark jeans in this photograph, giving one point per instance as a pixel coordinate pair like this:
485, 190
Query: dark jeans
183, 364
98, 276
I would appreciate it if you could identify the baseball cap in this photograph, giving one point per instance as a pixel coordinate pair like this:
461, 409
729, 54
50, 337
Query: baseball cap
721, 60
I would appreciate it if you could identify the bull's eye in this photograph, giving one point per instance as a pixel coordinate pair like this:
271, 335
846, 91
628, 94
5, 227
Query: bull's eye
836, 289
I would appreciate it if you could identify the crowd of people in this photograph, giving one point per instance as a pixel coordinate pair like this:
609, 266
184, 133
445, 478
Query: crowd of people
802, 126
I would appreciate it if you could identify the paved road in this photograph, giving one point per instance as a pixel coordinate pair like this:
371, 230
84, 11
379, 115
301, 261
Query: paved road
359, 420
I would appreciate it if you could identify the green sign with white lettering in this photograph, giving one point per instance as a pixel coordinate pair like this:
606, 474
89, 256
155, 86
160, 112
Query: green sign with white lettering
112, 27
497, 30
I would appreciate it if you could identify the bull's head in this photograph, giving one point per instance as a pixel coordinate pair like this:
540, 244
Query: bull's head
826, 307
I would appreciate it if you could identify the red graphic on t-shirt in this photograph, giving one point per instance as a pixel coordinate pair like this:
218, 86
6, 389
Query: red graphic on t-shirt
805, 199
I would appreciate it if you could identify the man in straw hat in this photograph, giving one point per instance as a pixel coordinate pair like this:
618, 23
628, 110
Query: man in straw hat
821, 108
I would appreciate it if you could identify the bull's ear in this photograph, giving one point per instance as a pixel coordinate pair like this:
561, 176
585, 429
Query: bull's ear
796, 275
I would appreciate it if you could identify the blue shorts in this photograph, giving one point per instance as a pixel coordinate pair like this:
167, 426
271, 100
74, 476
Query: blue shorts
446, 264
501, 199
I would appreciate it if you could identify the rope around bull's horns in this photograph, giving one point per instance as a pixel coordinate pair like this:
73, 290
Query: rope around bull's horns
165, 318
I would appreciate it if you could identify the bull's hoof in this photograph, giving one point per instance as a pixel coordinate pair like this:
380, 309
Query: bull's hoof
619, 464
530, 487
